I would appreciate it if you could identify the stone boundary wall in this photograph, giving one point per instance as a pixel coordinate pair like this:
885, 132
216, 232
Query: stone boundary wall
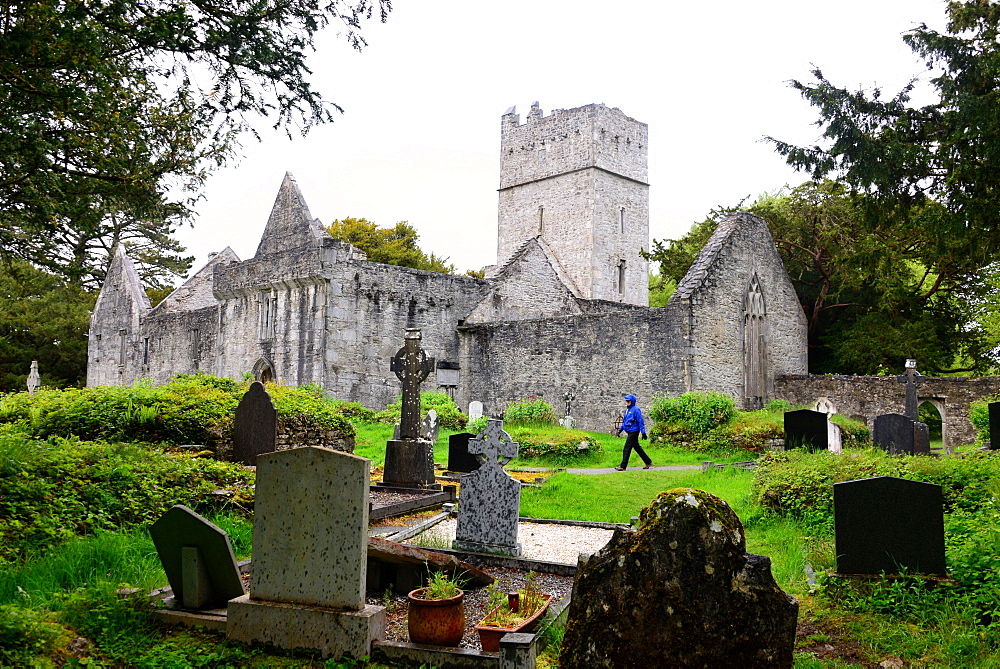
289, 437
864, 397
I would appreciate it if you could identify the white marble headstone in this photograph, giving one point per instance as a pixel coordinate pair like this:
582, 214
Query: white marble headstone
430, 426
310, 539
833, 438
475, 410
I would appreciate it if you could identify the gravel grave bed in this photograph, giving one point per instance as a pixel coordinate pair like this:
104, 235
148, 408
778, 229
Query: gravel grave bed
475, 601
383, 498
539, 541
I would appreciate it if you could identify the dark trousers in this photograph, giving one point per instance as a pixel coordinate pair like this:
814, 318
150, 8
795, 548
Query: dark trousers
632, 442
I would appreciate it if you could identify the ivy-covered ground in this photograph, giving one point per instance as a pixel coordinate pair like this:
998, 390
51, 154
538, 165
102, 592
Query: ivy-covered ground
83, 473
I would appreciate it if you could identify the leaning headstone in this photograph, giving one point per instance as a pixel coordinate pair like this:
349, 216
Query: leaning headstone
310, 544
888, 525
806, 429
409, 458
197, 558
430, 426
34, 379
475, 410
490, 498
994, 411
834, 440
680, 591
255, 429
459, 458
893, 432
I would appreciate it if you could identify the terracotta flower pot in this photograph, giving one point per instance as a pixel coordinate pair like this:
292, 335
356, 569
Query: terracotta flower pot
438, 622
489, 636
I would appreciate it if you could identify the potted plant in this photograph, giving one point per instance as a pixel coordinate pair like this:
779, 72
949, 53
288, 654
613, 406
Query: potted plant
436, 613
512, 612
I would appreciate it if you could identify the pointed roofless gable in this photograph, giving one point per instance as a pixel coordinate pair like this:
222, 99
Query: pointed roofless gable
290, 227
196, 292
122, 282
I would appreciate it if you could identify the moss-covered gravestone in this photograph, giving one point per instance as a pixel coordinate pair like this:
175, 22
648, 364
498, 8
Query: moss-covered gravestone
679, 591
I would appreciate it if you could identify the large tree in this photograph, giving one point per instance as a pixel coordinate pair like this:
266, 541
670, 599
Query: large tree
873, 297
113, 112
393, 246
902, 155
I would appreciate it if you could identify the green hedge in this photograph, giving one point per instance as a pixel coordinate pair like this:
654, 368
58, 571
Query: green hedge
55, 489
555, 441
449, 415
191, 409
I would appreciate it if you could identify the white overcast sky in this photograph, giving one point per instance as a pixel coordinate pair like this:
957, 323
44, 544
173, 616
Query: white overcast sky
419, 139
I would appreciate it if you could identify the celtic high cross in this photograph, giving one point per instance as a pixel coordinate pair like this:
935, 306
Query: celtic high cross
411, 366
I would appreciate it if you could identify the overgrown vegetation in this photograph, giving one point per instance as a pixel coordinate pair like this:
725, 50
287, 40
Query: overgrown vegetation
449, 415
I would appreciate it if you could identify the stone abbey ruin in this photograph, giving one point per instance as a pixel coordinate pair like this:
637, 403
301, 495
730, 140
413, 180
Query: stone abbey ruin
565, 309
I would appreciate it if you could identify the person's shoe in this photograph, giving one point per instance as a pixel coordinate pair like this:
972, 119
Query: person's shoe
648, 466
619, 469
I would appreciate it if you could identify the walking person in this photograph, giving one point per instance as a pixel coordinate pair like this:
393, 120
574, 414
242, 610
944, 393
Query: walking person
632, 425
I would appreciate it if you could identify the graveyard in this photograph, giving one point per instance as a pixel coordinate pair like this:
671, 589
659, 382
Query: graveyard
89, 476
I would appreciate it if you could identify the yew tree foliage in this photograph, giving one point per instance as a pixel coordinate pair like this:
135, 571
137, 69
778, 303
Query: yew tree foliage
902, 155
112, 113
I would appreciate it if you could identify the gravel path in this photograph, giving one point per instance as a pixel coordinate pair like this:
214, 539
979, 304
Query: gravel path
539, 541
612, 470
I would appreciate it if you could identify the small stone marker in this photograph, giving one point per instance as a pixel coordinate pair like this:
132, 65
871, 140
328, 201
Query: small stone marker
490, 498
409, 458
34, 379
680, 591
568, 422
459, 458
197, 558
897, 434
888, 524
255, 429
825, 405
310, 545
806, 429
994, 411
475, 410
834, 441
430, 426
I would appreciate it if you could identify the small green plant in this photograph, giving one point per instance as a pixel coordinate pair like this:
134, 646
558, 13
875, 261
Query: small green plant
530, 411
530, 600
697, 412
478, 425
440, 585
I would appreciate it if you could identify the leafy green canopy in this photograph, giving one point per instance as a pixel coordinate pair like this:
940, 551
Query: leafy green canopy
392, 246
902, 156
873, 296
112, 113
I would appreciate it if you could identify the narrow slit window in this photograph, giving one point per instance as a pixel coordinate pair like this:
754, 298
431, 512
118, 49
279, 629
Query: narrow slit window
621, 277
121, 347
541, 218
621, 219
145, 350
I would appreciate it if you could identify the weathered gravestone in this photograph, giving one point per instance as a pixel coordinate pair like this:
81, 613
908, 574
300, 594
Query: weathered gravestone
459, 458
680, 591
475, 410
34, 379
490, 498
310, 545
197, 558
806, 429
899, 434
430, 426
409, 458
255, 429
825, 405
888, 524
834, 440
994, 411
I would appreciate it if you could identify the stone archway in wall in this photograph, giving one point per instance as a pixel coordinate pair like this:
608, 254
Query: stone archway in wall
263, 371
754, 348
938, 405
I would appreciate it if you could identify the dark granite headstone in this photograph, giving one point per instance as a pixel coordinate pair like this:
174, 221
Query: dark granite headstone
806, 429
197, 558
994, 408
921, 439
459, 458
893, 433
255, 429
888, 524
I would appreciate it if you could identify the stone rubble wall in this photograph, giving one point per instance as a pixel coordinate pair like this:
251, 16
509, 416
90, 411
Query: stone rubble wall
864, 397
292, 437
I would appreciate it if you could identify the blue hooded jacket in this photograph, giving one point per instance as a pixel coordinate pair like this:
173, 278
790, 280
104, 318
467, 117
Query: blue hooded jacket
632, 420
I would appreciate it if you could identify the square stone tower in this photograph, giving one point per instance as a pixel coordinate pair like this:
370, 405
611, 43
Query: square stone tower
578, 178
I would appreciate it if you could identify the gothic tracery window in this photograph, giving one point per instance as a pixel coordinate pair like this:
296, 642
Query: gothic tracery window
754, 315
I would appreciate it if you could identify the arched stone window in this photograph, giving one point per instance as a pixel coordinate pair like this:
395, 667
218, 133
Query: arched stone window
263, 371
754, 351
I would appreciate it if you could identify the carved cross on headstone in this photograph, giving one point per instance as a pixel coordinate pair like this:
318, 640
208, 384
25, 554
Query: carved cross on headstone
494, 443
34, 380
411, 366
569, 397
912, 378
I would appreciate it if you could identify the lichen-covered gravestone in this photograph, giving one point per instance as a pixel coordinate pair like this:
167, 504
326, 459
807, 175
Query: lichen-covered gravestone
490, 498
197, 558
310, 546
681, 590
255, 428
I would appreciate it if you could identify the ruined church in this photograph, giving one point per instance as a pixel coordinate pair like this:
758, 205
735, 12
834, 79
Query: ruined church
563, 314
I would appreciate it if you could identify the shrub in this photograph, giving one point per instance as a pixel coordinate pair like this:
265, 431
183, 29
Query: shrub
979, 415
355, 411
694, 412
552, 441
478, 425
25, 635
449, 415
530, 411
